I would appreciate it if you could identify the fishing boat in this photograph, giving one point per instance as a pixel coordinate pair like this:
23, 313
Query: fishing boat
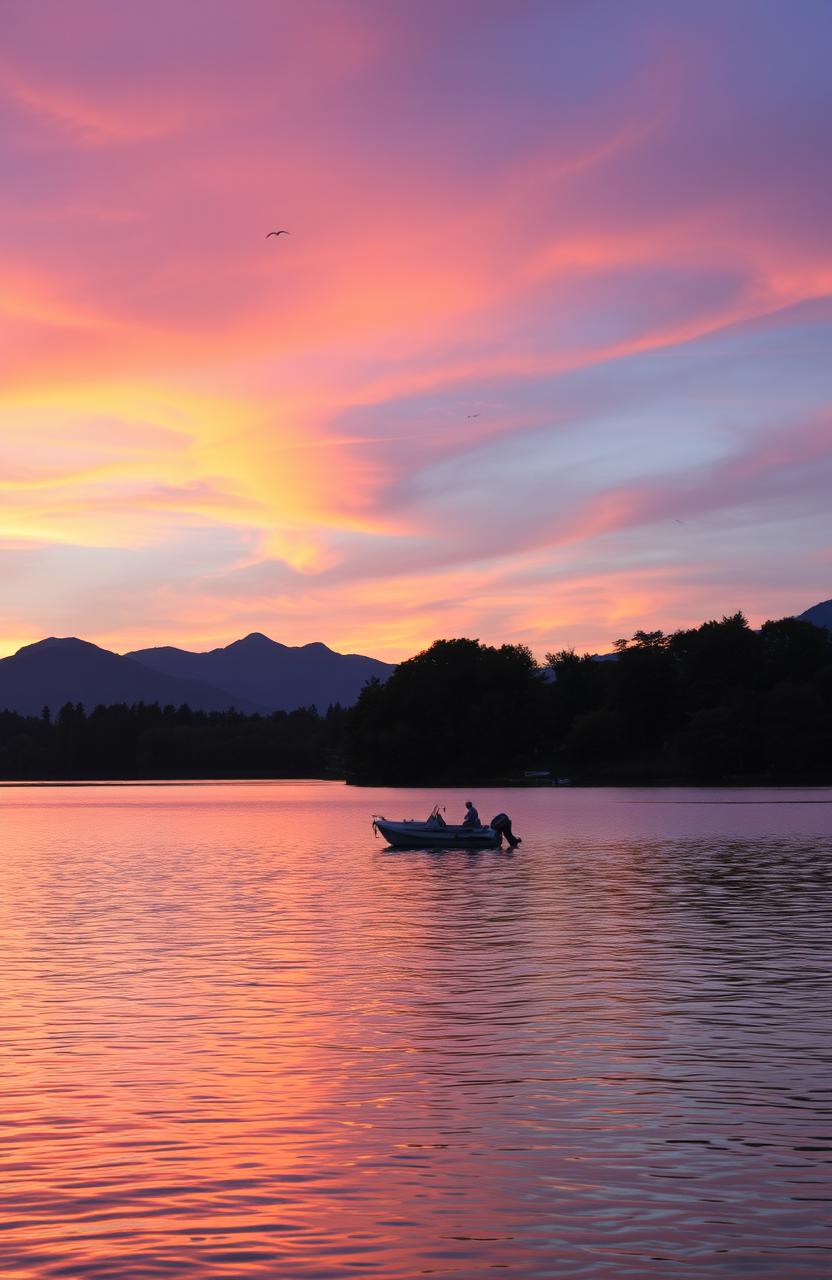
436, 833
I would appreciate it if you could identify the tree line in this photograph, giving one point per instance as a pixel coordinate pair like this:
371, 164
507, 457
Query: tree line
718, 702
149, 741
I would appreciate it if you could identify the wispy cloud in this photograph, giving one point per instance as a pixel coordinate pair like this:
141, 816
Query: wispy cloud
546, 294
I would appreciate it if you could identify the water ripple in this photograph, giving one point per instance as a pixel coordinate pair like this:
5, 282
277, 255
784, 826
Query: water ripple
243, 1039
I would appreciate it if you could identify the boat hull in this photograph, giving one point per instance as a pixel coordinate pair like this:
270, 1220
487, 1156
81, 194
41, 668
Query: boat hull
423, 835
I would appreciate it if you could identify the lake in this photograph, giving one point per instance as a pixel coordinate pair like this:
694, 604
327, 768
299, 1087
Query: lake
240, 1038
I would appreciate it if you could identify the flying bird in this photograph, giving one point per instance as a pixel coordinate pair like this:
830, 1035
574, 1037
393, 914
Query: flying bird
277, 233
473, 415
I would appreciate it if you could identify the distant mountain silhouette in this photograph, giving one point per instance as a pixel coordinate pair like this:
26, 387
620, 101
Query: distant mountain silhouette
819, 614
56, 671
275, 676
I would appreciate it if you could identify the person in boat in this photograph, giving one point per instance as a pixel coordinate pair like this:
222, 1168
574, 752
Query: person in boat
472, 818
501, 823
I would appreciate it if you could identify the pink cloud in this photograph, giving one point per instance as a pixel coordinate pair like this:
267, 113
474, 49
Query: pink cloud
513, 250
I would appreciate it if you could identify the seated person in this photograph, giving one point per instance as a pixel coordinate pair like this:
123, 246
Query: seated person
472, 818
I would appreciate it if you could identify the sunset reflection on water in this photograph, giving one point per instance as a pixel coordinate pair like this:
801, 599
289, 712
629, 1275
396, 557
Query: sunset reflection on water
243, 1039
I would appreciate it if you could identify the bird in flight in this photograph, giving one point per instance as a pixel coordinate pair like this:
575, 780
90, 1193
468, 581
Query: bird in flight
473, 415
277, 233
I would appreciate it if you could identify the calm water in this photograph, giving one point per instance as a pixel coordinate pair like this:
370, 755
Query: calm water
242, 1039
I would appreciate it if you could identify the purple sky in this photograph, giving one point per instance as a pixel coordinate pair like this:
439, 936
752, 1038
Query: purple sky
544, 358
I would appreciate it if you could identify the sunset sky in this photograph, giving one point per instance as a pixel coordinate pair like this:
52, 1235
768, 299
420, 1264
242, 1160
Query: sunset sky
545, 356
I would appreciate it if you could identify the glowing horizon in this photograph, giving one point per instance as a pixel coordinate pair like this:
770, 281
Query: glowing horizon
543, 359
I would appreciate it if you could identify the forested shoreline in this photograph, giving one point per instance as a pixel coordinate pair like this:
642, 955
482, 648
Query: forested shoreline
149, 741
715, 703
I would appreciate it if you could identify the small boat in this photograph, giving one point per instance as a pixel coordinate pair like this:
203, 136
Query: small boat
436, 833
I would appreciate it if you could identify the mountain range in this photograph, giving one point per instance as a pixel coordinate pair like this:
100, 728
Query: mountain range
255, 674
819, 614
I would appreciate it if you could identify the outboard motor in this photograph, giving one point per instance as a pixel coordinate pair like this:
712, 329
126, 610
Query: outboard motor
502, 825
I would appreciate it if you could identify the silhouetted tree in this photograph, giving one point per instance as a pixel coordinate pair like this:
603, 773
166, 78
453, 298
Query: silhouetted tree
715, 657
791, 648
459, 711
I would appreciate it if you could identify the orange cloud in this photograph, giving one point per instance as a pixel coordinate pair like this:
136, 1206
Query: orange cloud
509, 333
